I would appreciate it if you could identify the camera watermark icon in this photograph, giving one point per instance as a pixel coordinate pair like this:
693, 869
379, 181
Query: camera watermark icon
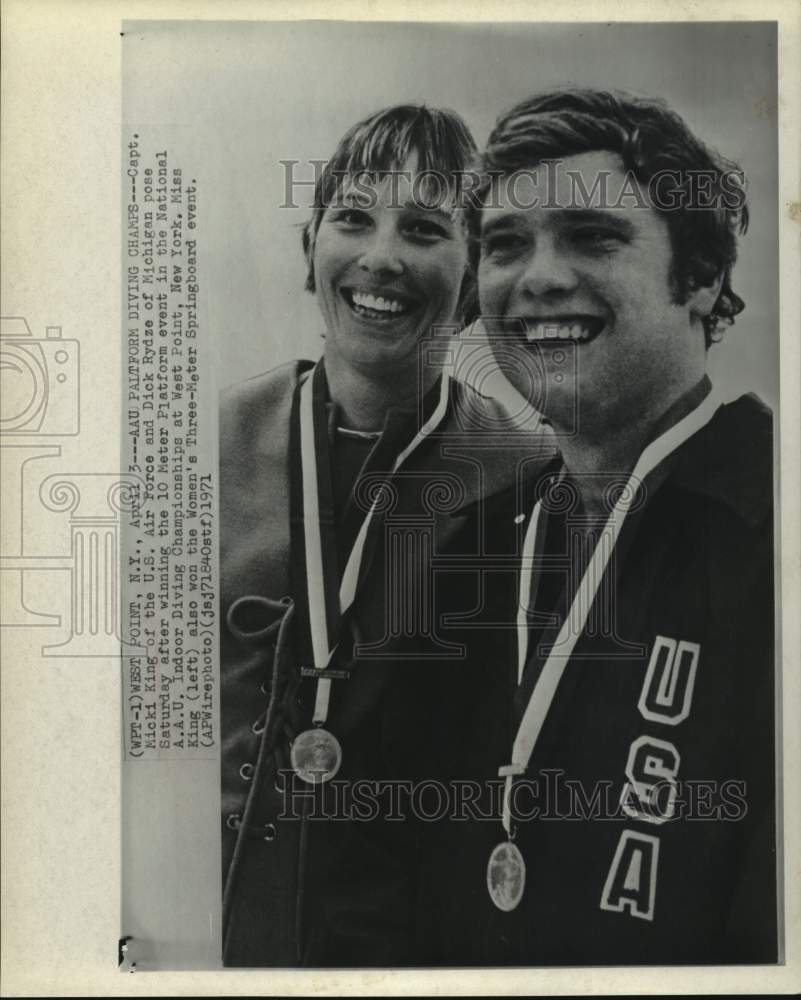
40, 381
41, 401
499, 359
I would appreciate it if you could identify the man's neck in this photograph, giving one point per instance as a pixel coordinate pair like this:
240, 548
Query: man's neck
596, 462
363, 398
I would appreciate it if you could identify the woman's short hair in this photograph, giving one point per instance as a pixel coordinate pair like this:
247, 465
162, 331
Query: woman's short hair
651, 140
383, 142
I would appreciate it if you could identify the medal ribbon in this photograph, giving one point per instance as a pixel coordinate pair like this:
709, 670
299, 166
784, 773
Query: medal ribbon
545, 689
324, 618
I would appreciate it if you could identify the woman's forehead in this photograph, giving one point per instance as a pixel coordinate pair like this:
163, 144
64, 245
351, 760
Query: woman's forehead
399, 186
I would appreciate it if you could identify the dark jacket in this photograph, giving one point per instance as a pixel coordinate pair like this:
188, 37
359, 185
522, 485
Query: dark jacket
694, 564
300, 888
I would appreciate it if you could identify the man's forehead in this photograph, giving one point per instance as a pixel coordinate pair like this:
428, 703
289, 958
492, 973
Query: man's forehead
593, 180
589, 166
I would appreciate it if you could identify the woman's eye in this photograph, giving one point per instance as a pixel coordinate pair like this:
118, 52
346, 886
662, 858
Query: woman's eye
426, 229
351, 218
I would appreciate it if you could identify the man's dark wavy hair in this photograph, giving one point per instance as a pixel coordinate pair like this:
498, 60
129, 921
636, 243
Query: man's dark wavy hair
383, 142
650, 139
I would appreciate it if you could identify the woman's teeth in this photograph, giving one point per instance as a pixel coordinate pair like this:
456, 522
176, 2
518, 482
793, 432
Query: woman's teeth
366, 304
558, 331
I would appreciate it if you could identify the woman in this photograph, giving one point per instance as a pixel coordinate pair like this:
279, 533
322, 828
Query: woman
335, 490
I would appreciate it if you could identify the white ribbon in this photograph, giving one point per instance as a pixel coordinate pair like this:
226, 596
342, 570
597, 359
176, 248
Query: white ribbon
313, 537
545, 689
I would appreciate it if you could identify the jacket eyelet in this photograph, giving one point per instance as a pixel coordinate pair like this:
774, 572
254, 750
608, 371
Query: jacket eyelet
246, 772
270, 832
258, 726
234, 821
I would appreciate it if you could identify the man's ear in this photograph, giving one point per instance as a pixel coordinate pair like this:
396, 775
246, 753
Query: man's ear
702, 298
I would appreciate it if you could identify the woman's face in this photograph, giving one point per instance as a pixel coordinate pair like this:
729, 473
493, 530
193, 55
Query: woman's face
387, 268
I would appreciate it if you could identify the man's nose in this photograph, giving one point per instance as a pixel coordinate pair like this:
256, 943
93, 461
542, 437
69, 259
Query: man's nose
383, 253
548, 270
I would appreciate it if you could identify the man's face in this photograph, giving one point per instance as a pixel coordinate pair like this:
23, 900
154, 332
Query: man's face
387, 268
591, 288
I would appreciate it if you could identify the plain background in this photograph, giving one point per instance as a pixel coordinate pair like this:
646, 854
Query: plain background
273, 92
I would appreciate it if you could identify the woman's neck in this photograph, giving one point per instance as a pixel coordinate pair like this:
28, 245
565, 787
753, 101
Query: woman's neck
363, 398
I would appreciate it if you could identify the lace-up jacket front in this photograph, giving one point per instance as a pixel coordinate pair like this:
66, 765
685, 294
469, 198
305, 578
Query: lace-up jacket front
292, 895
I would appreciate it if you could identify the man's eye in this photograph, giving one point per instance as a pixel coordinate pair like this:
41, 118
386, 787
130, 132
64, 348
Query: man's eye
502, 244
596, 237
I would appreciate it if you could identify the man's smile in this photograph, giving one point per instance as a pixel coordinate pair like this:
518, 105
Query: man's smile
576, 328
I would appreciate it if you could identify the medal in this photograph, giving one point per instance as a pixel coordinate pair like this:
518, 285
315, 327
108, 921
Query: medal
506, 876
506, 871
316, 756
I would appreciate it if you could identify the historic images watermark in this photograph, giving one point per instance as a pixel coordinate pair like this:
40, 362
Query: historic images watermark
549, 795
544, 186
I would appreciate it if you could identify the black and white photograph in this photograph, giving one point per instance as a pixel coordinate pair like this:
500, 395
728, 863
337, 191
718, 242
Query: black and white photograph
497, 356
446, 566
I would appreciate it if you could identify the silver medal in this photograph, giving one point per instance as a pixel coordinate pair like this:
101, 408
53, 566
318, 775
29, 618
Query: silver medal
506, 876
316, 756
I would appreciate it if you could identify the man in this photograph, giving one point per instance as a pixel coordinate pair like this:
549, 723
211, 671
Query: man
337, 481
635, 771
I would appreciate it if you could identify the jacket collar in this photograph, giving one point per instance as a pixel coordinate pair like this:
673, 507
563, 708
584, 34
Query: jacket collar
730, 461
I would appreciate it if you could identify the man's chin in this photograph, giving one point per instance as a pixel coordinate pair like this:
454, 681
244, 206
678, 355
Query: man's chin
524, 371
553, 396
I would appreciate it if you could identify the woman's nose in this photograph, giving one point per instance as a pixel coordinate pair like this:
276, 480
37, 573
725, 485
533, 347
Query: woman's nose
382, 254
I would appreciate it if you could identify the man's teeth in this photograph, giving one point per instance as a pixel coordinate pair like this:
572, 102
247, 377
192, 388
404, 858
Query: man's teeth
558, 331
377, 303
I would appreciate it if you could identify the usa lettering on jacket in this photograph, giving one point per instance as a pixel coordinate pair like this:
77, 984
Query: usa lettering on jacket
652, 769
